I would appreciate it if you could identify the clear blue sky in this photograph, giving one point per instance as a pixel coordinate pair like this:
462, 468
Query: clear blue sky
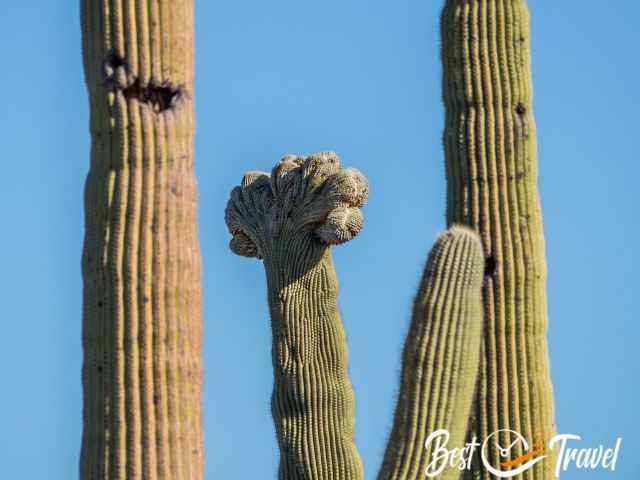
362, 78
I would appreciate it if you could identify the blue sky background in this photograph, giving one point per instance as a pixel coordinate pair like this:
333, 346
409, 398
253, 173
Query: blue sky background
362, 78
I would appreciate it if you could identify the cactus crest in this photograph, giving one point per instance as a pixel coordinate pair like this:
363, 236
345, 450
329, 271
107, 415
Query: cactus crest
302, 195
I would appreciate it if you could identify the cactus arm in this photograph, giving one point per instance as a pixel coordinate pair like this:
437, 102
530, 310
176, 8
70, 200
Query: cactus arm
492, 169
290, 219
441, 357
142, 370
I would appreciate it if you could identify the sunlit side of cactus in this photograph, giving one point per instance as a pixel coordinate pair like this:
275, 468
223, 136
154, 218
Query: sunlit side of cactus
142, 327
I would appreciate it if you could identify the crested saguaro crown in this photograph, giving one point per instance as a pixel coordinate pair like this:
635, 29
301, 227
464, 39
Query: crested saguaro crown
302, 196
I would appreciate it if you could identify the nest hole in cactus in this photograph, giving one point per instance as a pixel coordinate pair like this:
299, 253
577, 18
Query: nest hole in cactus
160, 96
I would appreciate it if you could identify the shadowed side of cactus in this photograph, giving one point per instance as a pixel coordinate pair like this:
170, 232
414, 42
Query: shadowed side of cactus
142, 371
290, 219
492, 171
440, 360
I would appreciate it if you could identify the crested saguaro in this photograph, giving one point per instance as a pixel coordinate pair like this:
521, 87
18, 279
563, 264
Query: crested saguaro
290, 219
142, 320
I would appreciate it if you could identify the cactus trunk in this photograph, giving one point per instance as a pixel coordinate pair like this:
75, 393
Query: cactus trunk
313, 403
492, 174
142, 326
440, 360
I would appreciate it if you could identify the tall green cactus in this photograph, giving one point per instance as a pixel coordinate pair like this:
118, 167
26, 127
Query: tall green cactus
441, 358
142, 370
492, 174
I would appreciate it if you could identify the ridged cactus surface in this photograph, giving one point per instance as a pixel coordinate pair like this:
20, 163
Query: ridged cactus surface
440, 359
492, 171
290, 218
142, 328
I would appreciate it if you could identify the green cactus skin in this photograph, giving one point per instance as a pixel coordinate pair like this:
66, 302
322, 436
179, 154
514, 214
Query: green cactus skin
441, 357
142, 322
290, 219
492, 174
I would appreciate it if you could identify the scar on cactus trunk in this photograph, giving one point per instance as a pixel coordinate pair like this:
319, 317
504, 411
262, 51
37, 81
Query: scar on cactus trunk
290, 218
492, 174
142, 321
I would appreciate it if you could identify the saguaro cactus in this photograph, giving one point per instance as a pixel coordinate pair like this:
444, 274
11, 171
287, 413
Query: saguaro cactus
492, 172
142, 371
440, 360
290, 219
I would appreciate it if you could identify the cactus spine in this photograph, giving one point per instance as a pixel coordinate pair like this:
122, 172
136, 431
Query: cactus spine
290, 219
492, 172
142, 371
441, 357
